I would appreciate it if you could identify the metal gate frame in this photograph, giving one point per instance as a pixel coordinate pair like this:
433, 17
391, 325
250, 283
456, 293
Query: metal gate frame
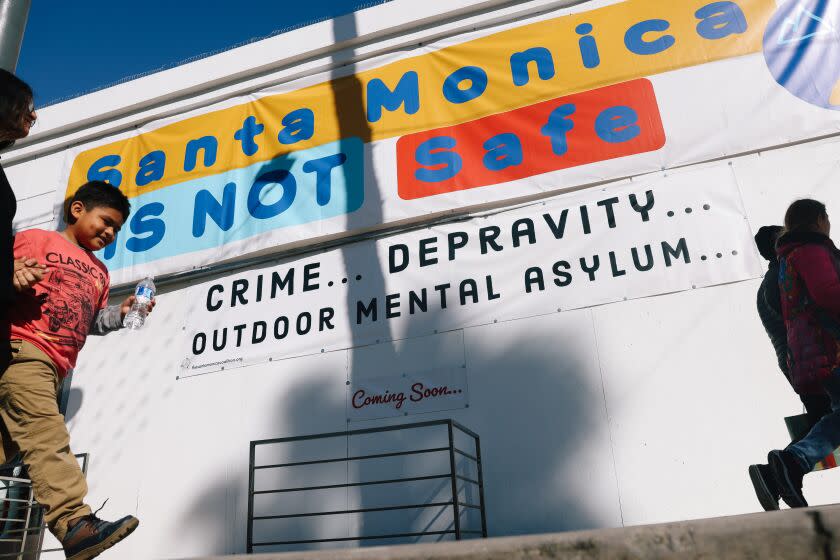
457, 506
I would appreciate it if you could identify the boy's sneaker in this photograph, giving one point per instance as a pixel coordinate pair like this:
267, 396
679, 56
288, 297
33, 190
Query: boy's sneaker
765, 486
89, 536
788, 474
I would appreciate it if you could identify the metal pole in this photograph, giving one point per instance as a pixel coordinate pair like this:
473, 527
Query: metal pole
481, 487
30, 504
13, 15
64, 391
453, 471
249, 545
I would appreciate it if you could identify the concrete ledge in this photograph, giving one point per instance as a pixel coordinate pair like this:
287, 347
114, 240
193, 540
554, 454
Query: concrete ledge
782, 535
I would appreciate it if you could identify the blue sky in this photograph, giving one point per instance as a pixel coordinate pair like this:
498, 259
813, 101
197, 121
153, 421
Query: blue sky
74, 47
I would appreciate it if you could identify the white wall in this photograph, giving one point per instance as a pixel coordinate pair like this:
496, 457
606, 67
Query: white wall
633, 412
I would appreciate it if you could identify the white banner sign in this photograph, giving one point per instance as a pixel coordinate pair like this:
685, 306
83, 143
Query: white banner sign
568, 98
407, 393
649, 236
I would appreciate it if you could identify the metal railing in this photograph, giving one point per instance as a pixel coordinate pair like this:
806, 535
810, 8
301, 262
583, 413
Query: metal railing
22, 525
21, 518
453, 477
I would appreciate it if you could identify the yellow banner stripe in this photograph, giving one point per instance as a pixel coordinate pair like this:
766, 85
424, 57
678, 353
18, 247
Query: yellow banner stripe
339, 106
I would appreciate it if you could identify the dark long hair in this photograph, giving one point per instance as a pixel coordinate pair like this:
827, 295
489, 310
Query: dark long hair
16, 100
803, 215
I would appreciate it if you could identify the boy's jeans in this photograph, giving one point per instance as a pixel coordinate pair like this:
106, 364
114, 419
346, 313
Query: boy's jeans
30, 422
824, 437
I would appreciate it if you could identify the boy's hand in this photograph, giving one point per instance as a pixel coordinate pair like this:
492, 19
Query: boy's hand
26, 273
125, 306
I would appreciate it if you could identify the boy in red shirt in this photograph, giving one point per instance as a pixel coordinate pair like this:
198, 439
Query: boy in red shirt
55, 310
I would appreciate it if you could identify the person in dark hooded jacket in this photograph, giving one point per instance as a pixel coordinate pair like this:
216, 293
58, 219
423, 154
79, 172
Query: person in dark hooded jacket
809, 282
17, 114
769, 304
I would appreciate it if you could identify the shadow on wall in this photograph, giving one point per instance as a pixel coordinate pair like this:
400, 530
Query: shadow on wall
547, 396
74, 404
531, 402
214, 514
534, 419
539, 416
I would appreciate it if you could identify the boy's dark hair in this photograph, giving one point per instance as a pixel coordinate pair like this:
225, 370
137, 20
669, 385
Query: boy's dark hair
97, 194
16, 102
803, 215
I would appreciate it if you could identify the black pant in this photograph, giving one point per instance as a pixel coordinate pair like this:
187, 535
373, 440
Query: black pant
816, 406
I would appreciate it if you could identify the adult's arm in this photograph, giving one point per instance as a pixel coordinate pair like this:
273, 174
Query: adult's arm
8, 206
27, 273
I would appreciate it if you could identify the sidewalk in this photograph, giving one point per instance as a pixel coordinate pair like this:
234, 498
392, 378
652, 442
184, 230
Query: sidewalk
782, 535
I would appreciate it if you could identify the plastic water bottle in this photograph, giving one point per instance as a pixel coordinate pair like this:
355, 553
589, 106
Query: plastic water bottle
143, 295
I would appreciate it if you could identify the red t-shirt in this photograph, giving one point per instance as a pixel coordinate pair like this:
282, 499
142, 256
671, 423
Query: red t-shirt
57, 315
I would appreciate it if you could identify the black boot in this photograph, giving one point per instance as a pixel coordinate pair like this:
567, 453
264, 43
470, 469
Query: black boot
765, 486
788, 474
